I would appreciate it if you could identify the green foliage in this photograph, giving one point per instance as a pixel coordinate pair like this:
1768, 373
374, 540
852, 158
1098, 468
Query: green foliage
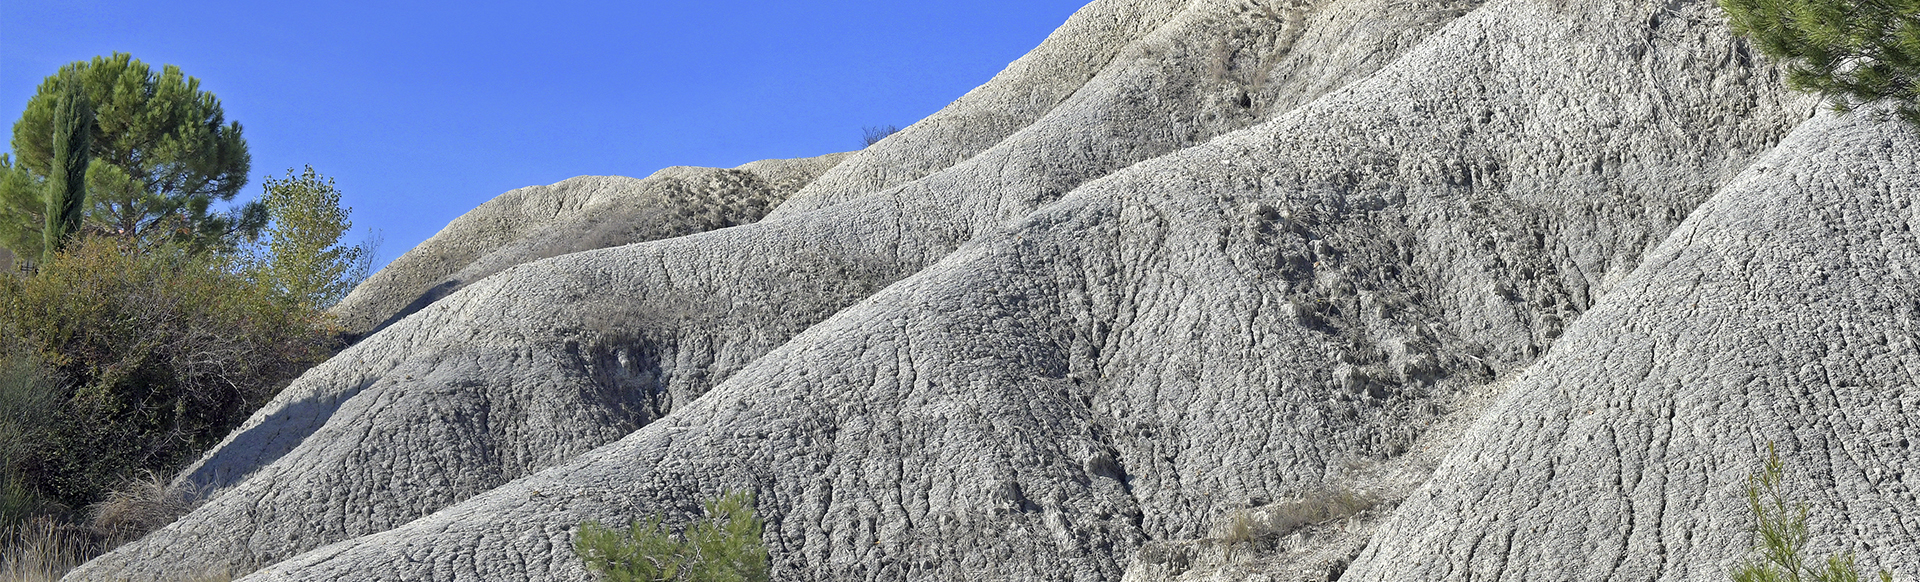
67, 188
162, 351
162, 152
303, 258
28, 399
22, 210
1852, 51
724, 547
1780, 535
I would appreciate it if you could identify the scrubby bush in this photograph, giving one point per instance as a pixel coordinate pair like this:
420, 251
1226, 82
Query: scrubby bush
724, 547
1853, 52
1780, 535
159, 351
873, 134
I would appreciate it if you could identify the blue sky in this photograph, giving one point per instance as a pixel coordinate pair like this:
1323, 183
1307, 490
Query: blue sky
422, 110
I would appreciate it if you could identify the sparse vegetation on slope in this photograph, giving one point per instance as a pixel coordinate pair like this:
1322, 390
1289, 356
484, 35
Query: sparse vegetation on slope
1780, 535
1255, 524
872, 134
724, 547
686, 206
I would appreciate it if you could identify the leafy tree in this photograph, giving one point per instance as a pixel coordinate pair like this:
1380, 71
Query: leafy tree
303, 258
1852, 51
162, 154
724, 547
67, 191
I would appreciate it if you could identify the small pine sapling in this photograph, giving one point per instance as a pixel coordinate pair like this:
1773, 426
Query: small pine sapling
1780, 535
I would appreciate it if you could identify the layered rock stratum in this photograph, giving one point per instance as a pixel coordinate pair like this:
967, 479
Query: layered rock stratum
1502, 290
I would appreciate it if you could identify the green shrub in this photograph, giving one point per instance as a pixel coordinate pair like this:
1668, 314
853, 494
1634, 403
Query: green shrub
724, 547
28, 399
1780, 536
1851, 51
161, 350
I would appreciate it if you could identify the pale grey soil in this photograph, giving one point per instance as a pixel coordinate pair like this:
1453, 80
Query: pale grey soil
1185, 259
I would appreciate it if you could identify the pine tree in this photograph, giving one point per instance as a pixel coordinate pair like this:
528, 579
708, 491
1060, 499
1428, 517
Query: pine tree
163, 155
1854, 52
67, 190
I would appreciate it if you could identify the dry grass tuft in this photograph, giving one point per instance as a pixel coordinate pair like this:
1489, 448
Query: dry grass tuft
1272, 521
142, 505
43, 549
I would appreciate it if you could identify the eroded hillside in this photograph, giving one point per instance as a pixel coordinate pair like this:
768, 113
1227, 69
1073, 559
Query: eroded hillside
1539, 280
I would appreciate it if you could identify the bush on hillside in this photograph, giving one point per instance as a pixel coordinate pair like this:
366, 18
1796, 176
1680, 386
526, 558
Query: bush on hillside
28, 399
161, 350
873, 134
724, 547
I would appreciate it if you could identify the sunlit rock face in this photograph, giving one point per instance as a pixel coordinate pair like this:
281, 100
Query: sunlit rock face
1209, 290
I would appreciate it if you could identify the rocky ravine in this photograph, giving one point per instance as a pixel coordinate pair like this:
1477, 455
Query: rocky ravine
1539, 280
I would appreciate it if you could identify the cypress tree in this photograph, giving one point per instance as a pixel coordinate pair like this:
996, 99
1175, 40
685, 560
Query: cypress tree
67, 187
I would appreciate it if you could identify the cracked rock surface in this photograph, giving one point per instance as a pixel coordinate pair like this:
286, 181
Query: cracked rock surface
1185, 259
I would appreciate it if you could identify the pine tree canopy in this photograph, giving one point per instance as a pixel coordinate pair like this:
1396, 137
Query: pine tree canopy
1854, 52
161, 154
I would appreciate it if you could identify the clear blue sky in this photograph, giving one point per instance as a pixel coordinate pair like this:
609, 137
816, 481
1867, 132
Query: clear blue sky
422, 110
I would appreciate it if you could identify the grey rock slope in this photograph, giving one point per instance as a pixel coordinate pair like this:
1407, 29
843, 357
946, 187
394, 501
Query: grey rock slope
584, 213
1184, 259
1782, 311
